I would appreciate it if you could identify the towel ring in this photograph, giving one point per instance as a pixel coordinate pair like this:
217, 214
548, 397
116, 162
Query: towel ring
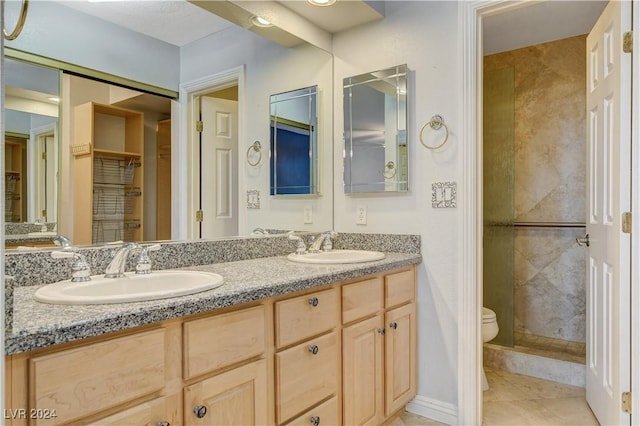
257, 148
436, 123
389, 170
18, 29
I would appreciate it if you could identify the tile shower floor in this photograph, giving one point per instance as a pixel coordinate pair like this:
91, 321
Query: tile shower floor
550, 348
517, 400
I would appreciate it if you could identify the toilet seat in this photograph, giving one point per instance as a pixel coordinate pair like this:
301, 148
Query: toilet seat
488, 315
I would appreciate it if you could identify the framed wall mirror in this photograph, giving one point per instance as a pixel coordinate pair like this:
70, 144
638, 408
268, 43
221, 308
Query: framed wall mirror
375, 131
294, 142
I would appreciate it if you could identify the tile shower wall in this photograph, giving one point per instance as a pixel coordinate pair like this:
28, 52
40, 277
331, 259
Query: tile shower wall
550, 152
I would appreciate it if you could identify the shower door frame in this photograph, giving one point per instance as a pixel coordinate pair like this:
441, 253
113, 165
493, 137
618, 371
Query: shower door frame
469, 326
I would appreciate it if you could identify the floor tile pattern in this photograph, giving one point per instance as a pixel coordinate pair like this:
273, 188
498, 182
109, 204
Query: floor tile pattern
519, 400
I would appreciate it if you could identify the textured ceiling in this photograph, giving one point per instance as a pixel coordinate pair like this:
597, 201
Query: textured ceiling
173, 21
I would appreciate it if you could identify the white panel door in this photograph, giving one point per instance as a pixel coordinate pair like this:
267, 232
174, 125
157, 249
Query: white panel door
219, 167
608, 196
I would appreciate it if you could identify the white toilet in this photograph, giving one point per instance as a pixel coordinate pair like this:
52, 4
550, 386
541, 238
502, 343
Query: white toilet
489, 332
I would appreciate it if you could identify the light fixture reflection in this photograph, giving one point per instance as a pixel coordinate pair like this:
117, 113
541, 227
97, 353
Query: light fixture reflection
259, 21
321, 3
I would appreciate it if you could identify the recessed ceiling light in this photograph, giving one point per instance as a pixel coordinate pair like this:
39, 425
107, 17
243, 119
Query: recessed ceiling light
322, 2
259, 21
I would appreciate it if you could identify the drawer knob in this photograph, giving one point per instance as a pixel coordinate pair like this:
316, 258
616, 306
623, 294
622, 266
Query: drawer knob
313, 349
313, 301
200, 411
381, 331
163, 423
315, 420
393, 325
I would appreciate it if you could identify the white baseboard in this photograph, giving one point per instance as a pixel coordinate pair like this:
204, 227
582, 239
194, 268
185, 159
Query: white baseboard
433, 409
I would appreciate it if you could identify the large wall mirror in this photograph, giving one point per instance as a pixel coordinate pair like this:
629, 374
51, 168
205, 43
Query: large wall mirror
375, 131
82, 74
294, 142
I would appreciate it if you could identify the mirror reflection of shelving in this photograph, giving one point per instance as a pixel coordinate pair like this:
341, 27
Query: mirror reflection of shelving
15, 207
114, 199
108, 179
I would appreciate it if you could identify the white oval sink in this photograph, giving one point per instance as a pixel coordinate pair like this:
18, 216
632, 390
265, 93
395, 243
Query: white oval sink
337, 256
130, 288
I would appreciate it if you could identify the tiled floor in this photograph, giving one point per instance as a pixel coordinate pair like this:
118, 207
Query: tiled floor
518, 400
549, 347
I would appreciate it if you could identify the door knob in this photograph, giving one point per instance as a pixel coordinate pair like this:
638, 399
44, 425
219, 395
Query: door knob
584, 241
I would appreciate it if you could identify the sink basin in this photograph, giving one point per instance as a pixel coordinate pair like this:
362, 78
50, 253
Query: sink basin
337, 256
130, 288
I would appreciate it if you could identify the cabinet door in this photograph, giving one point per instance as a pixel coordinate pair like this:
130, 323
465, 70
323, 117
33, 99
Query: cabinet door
362, 375
400, 357
236, 397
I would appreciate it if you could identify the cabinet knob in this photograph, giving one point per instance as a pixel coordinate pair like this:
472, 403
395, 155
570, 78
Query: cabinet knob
313, 349
381, 331
313, 301
315, 420
200, 411
163, 423
393, 325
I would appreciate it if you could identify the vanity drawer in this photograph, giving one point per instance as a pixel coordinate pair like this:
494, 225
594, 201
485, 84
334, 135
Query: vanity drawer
301, 317
361, 299
399, 288
79, 382
154, 412
304, 378
324, 414
225, 339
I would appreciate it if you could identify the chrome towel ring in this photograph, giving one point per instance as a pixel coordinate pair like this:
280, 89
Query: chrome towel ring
389, 170
257, 148
436, 123
23, 17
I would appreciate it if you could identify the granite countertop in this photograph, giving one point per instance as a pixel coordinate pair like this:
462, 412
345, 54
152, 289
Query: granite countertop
29, 238
38, 325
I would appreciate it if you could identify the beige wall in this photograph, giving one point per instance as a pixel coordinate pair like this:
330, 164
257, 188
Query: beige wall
550, 153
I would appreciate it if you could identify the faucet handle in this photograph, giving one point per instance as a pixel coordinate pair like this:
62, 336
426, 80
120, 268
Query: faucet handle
143, 265
80, 270
301, 248
328, 245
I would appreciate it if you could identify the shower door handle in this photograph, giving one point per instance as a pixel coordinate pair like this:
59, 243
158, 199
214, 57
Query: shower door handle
584, 241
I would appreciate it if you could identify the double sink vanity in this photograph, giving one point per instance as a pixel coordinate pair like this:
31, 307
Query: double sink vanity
320, 338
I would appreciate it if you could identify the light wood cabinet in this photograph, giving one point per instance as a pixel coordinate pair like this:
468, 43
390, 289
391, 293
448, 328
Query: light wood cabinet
307, 373
253, 364
236, 397
379, 352
108, 144
362, 386
161, 411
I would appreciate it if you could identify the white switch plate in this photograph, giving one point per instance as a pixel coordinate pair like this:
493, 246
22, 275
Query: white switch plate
361, 215
308, 215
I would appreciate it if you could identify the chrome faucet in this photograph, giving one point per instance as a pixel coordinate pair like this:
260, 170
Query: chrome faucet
323, 240
80, 270
301, 248
119, 261
62, 241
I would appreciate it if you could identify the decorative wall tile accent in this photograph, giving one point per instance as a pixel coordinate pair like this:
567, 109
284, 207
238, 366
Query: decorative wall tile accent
443, 195
253, 199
